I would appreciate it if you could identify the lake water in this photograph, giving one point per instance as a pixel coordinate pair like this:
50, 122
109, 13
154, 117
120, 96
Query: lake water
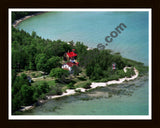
92, 28
125, 99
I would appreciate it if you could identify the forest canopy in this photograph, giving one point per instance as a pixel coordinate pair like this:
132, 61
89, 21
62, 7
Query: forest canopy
19, 15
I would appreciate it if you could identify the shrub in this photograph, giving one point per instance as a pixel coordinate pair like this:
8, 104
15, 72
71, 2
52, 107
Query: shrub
121, 73
58, 89
58, 73
70, 86
82, 78
87, 85
130, 72
33, 74
76, 70
43, 97
78, 90
44, 87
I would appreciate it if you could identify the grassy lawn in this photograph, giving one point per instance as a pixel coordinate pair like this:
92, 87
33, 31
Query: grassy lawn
32, 74
49, 82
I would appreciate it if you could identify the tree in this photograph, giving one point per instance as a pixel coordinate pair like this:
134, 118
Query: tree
44, 87
16, 102
97, 72
34, 34
58, 89
59, 73
119, 61
67, 47
80, 48
41, 60
89, 69
53, 62
70, 85
27, 93
76, 70
31, 66
14, 74
130, 72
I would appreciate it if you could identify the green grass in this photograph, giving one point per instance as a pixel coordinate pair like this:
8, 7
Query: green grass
32, 74
83, 84
49, 82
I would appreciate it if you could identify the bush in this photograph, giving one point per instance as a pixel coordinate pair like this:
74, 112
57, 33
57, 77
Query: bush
33, 74
44, 87
130, 72
70, 86
57, 89
58, 73
78, 90
87, 85
82, 78
121, 73
76, 70
43, 97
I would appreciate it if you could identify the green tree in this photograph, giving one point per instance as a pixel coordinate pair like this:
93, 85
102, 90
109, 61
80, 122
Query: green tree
14, 74
89, 69
26, 92
44, 87
31, 66
70, 86
16, 102
53, 62
34, 34
76, 70
97, 72
58, 73
41, 60
80, 48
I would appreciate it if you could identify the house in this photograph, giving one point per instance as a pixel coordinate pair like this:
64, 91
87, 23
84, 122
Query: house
66, 67
70, 57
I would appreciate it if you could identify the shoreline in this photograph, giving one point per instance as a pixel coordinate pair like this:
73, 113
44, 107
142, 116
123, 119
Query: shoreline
93, 86
24, 18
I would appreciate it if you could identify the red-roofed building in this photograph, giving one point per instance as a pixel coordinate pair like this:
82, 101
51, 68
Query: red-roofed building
71, 64
71, 54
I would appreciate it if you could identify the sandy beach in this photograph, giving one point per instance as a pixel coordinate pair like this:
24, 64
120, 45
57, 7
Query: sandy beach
24, 18
93, 85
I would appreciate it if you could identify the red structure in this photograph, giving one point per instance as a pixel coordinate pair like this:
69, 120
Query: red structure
71, 54
113, 66
71, 60
70, 64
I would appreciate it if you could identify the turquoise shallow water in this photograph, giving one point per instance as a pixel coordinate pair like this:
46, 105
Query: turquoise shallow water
126, 99
92, 28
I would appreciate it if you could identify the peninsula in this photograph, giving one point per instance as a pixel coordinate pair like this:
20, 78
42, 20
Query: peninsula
43, 69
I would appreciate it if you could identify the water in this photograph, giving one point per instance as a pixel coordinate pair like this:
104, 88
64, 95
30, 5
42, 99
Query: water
126, 99
92, 28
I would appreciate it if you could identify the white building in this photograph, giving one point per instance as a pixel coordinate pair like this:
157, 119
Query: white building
67, 67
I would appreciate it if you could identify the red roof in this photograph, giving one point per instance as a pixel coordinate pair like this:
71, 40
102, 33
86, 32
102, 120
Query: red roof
65, 68
70, 64
71, 54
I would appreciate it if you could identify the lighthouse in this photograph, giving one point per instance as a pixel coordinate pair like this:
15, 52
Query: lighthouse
114, 66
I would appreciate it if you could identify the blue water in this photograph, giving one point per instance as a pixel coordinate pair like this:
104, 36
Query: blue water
136, 103
92, 28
